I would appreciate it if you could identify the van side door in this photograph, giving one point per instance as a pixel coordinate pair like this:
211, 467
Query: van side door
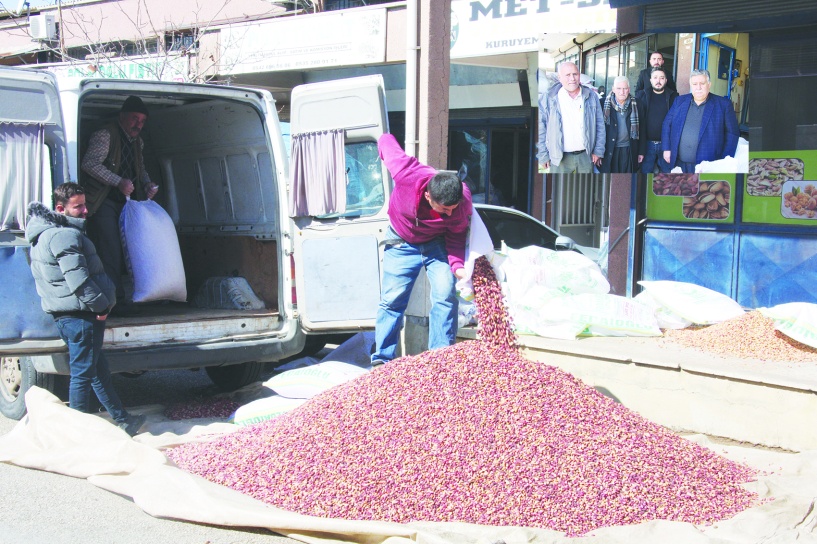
337, 250
32, 163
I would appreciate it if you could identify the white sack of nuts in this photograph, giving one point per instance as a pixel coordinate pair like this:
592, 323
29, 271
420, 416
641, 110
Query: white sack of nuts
479, 244
588, 314
697, 304
666, 318
305, 383
739, 164
264, 409
797, 320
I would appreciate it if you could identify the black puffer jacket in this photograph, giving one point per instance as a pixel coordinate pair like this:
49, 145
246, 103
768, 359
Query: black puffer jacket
68, 273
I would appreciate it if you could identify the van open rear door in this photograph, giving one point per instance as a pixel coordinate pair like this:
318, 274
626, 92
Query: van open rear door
337, 251
32, 162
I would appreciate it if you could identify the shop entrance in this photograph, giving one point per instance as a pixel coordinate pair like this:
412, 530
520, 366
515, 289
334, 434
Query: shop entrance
496, 162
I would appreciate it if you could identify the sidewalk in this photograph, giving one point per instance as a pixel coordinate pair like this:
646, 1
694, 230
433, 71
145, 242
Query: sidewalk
772, 404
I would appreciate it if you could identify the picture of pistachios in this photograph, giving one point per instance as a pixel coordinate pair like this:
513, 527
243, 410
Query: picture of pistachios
675, 184
766, 176
711, 202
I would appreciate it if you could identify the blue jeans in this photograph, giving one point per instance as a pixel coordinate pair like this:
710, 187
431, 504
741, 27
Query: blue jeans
401, 266
89, 367
653, 155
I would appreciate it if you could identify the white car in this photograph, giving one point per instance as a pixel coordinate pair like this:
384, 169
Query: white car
518, 229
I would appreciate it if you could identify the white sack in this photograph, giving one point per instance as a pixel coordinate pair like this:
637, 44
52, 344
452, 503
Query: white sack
739, 164
264, 409
152, 252
588, 314
797, 320
666, 318
305, 383
537, 268
694, 303
479, 244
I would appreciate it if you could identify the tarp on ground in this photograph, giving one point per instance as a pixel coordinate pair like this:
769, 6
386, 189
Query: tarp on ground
55, 438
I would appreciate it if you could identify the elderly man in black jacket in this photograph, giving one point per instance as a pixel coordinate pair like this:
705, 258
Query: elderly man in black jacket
655, 102
622, 115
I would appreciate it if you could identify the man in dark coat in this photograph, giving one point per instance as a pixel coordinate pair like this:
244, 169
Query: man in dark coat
655, 102
77, 293
622, 114
656, 61
699, 126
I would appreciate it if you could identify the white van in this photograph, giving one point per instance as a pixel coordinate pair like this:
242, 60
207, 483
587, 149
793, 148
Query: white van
218, 155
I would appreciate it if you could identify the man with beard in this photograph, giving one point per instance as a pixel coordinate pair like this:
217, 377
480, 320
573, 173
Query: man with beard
656, 61
655, 102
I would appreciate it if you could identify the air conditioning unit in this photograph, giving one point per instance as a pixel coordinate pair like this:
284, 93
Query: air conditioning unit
43, 26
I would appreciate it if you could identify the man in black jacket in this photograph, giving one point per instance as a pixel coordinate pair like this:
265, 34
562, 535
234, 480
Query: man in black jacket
622, 114
656, 61
655, 102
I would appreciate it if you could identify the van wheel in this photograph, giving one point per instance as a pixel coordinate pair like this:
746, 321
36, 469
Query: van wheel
229, 378
17, 375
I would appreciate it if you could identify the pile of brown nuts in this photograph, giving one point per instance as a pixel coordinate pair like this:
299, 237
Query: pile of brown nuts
675, 184
766, 176
711, 202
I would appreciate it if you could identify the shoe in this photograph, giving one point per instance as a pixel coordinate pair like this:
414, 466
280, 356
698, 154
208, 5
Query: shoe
377, 364
133, 424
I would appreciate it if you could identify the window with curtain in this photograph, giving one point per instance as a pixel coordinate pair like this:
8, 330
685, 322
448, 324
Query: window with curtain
24, 170
317, 166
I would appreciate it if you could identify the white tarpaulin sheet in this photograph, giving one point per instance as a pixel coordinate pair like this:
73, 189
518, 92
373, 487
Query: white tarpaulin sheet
57, 439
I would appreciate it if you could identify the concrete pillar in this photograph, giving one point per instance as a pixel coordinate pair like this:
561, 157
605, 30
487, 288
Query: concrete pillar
434, 20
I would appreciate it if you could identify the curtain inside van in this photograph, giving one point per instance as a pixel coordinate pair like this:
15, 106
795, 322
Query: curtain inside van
21, 167
317, 166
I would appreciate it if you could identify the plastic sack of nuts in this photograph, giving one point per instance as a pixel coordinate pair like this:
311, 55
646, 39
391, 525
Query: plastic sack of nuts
694, 303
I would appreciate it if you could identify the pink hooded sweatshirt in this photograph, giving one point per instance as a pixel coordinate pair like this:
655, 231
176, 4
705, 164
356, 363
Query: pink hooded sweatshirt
410, 213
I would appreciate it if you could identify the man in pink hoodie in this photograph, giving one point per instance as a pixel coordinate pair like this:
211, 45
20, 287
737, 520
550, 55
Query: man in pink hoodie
429, 212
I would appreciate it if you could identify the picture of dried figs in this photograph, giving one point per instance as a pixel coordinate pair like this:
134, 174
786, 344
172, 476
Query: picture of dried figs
767, 176
710, 202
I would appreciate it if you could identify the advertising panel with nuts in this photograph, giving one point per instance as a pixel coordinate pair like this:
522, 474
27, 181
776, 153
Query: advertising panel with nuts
711, 202
767, 176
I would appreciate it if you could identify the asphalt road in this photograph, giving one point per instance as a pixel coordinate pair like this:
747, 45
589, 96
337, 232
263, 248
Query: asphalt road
43, 508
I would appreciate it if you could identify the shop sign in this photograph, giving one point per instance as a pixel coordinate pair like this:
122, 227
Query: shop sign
497, 27
781, 188
691, 198
341, 38
154, 68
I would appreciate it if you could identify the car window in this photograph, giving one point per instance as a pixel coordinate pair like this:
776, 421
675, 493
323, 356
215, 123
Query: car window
517, 231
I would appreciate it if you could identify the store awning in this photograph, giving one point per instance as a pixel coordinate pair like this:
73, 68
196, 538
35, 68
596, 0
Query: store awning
19, 50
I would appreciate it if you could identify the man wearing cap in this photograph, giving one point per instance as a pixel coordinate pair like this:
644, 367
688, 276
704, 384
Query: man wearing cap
114, 168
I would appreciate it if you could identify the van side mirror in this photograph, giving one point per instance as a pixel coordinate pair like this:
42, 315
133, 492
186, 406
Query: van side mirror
564, 243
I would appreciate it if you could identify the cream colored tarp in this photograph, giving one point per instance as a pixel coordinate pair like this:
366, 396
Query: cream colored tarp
57, 439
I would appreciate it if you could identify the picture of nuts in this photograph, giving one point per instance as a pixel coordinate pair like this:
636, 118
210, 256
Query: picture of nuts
675, 184
711, 201
799, 200
767, 176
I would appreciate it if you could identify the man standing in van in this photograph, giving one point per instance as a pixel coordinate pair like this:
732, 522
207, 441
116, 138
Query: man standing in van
77, 293
115, 169
429, 214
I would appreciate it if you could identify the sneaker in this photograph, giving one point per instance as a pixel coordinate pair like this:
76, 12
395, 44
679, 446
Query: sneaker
133, 424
